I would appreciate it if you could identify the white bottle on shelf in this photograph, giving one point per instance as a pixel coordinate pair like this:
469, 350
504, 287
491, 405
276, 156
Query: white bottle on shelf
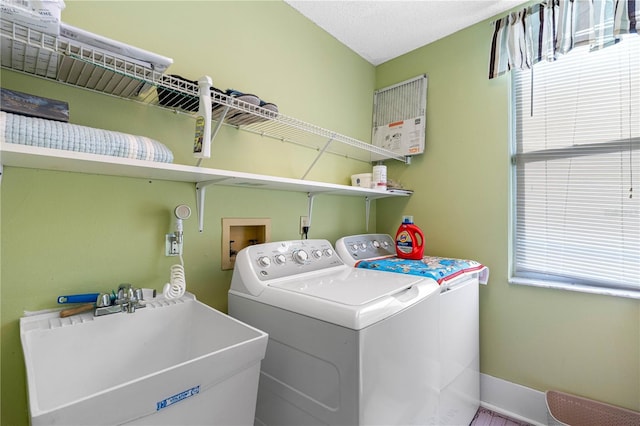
379, 180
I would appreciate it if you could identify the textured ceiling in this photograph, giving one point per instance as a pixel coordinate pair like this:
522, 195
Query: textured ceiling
385, 29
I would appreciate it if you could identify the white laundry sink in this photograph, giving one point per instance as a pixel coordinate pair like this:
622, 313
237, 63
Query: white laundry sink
174, 362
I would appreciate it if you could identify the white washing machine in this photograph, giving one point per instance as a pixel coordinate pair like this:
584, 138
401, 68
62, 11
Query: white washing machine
459, 355
346, 346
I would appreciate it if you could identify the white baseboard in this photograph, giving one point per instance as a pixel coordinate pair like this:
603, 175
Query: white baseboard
513, 400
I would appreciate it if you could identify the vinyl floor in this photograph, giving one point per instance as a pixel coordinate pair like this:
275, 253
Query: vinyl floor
486, 417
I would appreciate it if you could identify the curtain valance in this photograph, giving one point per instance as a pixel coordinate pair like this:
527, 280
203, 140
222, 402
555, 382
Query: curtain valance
554, 27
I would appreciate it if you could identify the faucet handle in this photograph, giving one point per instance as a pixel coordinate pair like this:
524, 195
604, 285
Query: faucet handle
138, 294
104, 299
129, 298
124, 290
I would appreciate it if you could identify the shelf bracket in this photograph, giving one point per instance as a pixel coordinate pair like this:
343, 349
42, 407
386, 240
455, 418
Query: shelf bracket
310, 197
201, 190
220, 121
324, 148
367, 208
215, 131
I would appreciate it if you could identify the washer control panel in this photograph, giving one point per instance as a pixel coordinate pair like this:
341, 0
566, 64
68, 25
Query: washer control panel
287, 258
366, 246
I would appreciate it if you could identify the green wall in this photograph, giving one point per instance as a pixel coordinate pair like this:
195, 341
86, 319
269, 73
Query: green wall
541, 338
64, 233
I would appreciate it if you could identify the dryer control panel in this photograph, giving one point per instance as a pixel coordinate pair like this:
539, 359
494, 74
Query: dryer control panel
366, 246
288, 258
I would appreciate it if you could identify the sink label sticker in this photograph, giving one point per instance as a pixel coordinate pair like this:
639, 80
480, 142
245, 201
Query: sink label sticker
177, 398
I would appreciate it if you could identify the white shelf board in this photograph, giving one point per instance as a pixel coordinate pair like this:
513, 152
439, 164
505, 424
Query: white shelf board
15, 155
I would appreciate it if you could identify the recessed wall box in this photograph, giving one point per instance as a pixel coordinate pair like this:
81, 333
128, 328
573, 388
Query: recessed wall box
238, 233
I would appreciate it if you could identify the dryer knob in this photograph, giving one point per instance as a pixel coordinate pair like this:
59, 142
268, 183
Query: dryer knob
264, 261
317, 254
300, 256
328, 252
281, 259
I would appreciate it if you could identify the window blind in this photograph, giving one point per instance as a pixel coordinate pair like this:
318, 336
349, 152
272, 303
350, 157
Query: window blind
576, 168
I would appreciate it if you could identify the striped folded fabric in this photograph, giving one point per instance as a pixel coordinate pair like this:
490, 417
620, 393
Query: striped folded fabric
43, 133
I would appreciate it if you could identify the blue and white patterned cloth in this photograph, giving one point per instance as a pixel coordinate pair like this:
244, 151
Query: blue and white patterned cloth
43, 133
439, 268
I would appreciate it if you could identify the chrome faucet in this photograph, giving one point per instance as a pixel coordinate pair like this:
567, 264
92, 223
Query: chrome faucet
128, 299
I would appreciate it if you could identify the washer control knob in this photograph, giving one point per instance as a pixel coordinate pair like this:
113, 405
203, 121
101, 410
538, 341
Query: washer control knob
328, 252
264, 261
376, 244
317, 254
363, 246
385, 244
280, 259
354, 247
300, 256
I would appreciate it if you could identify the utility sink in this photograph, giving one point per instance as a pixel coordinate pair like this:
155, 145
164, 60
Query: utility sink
176, 362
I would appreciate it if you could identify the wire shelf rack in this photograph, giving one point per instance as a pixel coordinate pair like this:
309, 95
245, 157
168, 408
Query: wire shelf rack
29, 51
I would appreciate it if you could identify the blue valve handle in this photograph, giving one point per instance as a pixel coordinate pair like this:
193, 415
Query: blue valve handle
79, 298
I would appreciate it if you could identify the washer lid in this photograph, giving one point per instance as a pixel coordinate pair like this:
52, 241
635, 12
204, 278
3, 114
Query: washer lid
353, 287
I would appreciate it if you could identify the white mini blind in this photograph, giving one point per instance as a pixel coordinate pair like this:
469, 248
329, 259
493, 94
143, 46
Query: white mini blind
577, 168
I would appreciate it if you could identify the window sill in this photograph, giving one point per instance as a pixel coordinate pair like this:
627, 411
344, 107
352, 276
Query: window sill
616, 292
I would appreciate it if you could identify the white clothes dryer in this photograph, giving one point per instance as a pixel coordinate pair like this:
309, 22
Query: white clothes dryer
346, 346
458, 344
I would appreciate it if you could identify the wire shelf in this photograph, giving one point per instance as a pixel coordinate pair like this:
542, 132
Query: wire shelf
32, 52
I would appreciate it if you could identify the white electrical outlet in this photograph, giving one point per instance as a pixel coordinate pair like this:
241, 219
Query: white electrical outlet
304, 221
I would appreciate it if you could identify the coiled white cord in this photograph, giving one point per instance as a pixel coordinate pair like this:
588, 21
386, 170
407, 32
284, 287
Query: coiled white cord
177, 284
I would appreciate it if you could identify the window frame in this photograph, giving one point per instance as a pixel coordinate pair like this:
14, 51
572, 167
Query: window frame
533, 278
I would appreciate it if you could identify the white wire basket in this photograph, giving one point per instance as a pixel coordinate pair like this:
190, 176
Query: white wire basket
566, 409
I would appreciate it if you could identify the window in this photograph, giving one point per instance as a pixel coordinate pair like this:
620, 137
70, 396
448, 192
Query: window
576, 171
